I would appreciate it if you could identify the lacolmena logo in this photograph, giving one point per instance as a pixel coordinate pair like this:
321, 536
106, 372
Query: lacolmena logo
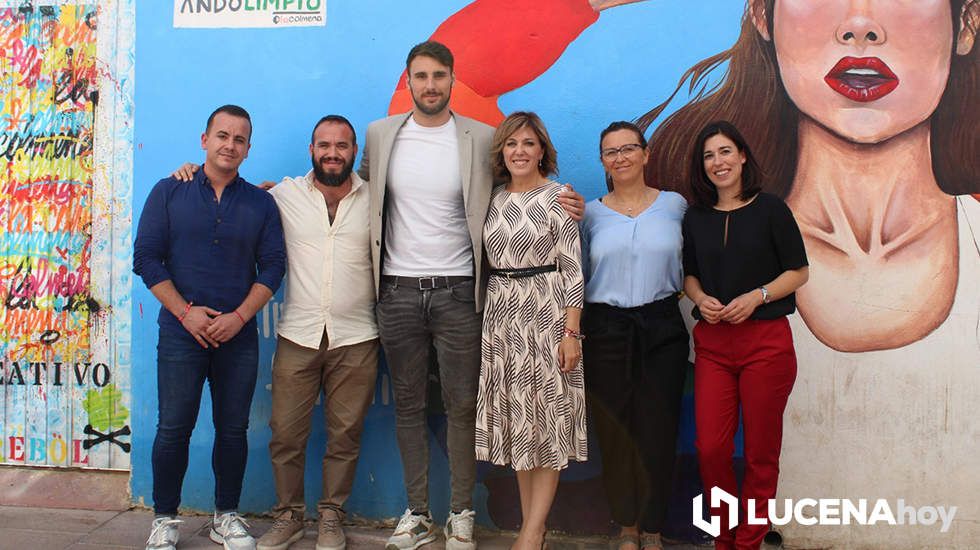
824, 511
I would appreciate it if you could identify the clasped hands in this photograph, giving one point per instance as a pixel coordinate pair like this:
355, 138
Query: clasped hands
736, 311
211, 327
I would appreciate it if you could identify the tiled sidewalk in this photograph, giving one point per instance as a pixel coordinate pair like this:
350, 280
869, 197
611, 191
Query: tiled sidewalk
23, 528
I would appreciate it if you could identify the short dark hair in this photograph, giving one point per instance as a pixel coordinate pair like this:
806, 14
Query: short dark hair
233, 110
623, 125
336, 119
704, 192
514, 122
433, 49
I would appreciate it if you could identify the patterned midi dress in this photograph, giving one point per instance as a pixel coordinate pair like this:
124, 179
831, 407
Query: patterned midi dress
529, 414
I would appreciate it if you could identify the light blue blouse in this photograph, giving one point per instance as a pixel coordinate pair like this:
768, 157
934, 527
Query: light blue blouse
627, 261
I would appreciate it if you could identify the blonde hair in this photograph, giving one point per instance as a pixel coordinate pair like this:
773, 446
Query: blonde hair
507, 128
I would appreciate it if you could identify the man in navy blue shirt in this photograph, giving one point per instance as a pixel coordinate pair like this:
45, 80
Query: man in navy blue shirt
211, 250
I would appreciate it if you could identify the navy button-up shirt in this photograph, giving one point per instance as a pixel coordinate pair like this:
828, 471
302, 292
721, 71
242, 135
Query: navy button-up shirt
212, 251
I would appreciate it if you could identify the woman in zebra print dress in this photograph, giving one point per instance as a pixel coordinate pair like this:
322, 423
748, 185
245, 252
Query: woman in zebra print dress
531, 402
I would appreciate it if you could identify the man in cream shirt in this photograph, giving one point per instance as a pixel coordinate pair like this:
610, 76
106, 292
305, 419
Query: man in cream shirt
328, 339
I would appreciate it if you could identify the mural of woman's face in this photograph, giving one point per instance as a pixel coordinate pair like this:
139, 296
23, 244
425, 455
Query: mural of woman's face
866, 70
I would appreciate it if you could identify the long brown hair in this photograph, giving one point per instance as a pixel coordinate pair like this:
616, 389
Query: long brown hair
703, 191
752, 97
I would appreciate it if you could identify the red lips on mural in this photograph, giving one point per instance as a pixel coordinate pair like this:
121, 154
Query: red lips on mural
862, 79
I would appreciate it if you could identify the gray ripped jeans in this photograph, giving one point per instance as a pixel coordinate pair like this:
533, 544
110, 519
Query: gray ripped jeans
411, 320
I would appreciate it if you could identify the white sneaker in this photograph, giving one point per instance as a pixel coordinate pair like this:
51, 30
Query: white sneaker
164, 534
413, 530
231, 530
459, 531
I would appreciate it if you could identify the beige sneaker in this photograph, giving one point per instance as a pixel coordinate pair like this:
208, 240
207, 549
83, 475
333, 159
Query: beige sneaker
412, 531
286, 530
459, 531
330, 533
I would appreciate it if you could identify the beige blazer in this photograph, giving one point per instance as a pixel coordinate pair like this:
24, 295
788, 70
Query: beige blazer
474, 166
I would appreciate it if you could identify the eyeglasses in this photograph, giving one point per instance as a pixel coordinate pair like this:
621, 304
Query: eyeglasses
625, 150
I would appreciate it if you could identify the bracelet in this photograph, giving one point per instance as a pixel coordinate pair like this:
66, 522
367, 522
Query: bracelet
574, 334
184, 314
240, 318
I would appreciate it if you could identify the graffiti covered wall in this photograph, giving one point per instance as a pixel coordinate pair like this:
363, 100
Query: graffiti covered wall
64, 215
879, 168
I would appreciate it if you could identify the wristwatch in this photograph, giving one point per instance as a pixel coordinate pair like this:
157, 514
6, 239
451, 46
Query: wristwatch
765, 294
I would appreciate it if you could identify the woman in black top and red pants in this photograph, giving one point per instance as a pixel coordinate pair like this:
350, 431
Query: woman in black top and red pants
743, 260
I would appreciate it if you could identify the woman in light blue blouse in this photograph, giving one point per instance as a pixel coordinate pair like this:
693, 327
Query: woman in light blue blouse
636, 352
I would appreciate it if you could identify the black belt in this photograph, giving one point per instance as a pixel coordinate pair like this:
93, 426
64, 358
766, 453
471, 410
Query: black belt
520, 272
426, 283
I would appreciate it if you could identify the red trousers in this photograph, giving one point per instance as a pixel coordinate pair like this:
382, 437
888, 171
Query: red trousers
752, 365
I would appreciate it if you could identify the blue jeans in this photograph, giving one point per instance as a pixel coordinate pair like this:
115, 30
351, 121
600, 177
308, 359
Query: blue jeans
182, 367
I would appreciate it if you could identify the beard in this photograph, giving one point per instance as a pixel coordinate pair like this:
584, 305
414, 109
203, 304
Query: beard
327, 178
433, 110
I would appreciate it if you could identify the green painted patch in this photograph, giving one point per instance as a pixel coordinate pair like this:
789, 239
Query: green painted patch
105, 408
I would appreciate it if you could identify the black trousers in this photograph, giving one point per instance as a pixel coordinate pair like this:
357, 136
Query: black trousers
635, 362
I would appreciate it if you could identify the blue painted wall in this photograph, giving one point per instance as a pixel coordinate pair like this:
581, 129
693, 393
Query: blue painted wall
628, 61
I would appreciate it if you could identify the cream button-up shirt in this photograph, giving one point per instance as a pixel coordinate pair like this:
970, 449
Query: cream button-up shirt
329, 283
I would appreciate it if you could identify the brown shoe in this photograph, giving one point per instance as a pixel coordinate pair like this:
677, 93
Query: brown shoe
286, 530
331, 533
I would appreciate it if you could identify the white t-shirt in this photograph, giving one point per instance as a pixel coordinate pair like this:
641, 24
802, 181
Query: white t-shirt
426, 231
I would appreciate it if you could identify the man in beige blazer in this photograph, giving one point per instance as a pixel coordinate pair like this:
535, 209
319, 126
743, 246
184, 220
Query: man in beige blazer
430, 180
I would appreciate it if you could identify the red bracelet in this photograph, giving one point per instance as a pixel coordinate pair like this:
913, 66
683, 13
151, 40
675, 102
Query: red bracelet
184, 314
574, 334
240, 318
